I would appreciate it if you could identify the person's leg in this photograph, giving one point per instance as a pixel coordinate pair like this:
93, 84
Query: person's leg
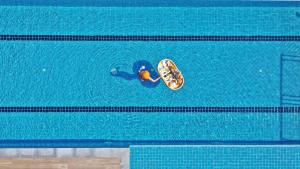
114, 71
117, 73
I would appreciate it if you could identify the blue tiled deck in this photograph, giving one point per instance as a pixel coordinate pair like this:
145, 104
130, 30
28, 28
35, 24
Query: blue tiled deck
216, 157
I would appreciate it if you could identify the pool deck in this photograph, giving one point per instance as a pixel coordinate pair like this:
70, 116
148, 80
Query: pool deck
121, 153
60, 163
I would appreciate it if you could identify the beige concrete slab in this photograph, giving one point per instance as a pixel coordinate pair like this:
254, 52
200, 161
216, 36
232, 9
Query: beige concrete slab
59, 163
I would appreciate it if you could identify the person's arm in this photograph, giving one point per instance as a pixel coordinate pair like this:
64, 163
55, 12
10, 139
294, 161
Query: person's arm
154, 80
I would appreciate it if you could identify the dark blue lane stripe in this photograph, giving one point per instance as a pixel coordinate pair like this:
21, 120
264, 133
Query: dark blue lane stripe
143, 38
91, 143
152, 3
152, 109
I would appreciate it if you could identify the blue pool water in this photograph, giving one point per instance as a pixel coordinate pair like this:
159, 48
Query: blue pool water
68, 78
217, 73
78, 73
149, 20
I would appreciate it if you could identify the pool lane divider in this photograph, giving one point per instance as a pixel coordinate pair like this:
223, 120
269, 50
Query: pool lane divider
145, 38
153, 109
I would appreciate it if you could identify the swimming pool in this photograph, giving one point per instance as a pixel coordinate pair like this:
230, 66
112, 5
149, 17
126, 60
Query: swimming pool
240, 63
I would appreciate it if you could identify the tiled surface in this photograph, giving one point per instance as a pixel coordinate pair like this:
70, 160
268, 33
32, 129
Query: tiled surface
65, 152
290, 80
46, 152
270, 109
84, 152
144, 38
212, 21
291, 126
290, 95
122, 153
9, 152
154, 3
221, 67
111, 128
32, 20
216, 157
103, 152
25, 152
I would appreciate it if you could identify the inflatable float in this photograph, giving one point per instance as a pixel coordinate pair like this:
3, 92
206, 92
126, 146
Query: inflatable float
170, 74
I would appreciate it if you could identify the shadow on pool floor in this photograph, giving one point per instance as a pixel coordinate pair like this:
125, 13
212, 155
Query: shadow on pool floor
116, 72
